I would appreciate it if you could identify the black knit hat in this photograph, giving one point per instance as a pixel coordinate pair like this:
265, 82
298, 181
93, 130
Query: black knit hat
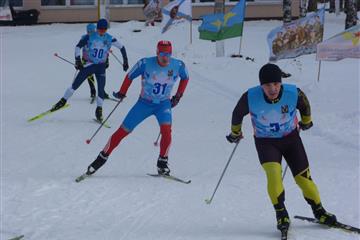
269, 73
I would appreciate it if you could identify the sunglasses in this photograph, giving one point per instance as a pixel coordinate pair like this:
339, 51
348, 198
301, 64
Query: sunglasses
164, 54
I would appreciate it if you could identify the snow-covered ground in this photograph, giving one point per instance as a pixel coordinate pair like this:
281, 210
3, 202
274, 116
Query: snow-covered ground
40, 160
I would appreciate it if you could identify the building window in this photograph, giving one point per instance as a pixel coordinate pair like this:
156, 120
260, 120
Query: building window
118, 2
16, 3
82, 2
135, 1
53, 2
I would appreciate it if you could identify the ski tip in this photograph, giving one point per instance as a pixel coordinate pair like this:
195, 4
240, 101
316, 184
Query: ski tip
17, 238
78, 180
31, 119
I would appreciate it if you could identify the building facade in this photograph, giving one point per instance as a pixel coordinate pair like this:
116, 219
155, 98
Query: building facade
125, 10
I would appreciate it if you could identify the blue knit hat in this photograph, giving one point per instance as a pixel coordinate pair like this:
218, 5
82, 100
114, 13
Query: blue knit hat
102, 24
90, 28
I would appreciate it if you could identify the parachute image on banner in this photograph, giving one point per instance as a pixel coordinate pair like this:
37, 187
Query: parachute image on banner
343, 45
176, 11
297, 38
221, 26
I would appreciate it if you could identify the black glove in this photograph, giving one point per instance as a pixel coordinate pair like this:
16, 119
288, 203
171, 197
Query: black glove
119, 95
125, 65
305, 126
107, 63
175, 100
78, 64
234, 138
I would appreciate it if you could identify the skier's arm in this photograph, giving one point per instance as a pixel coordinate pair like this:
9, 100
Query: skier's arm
184, 79
240, 111
117, 44
305, 111
83, 41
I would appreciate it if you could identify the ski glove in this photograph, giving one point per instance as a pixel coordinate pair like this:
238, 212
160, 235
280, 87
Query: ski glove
125, 65
78, 64
175, 100
234, 138
119, 95
304, 126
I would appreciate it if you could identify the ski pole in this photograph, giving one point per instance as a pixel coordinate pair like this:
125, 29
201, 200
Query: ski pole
156, 143
65, 60
208, 201
102, 124
116, 57
287, 166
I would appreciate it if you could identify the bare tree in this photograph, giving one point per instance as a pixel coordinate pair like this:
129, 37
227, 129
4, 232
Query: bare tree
332, 6
312, 6
303, 8
287, 11
351, 15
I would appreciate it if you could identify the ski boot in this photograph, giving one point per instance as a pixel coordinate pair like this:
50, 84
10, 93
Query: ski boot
162, 166
98, 114
97, 163
59, 105
106, 96
323, 216
283, 220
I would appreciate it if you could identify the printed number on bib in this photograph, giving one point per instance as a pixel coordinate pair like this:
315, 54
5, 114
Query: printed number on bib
98, 53
274, 127
159, 88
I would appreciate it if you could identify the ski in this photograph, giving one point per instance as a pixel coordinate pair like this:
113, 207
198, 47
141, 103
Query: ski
105, 124
82, 177
337, 225
43, 114
92, 100
113, 99
17, 238
284, 233
170, 177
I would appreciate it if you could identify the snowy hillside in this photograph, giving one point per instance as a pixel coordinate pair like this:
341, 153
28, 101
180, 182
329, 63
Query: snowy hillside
40, 160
